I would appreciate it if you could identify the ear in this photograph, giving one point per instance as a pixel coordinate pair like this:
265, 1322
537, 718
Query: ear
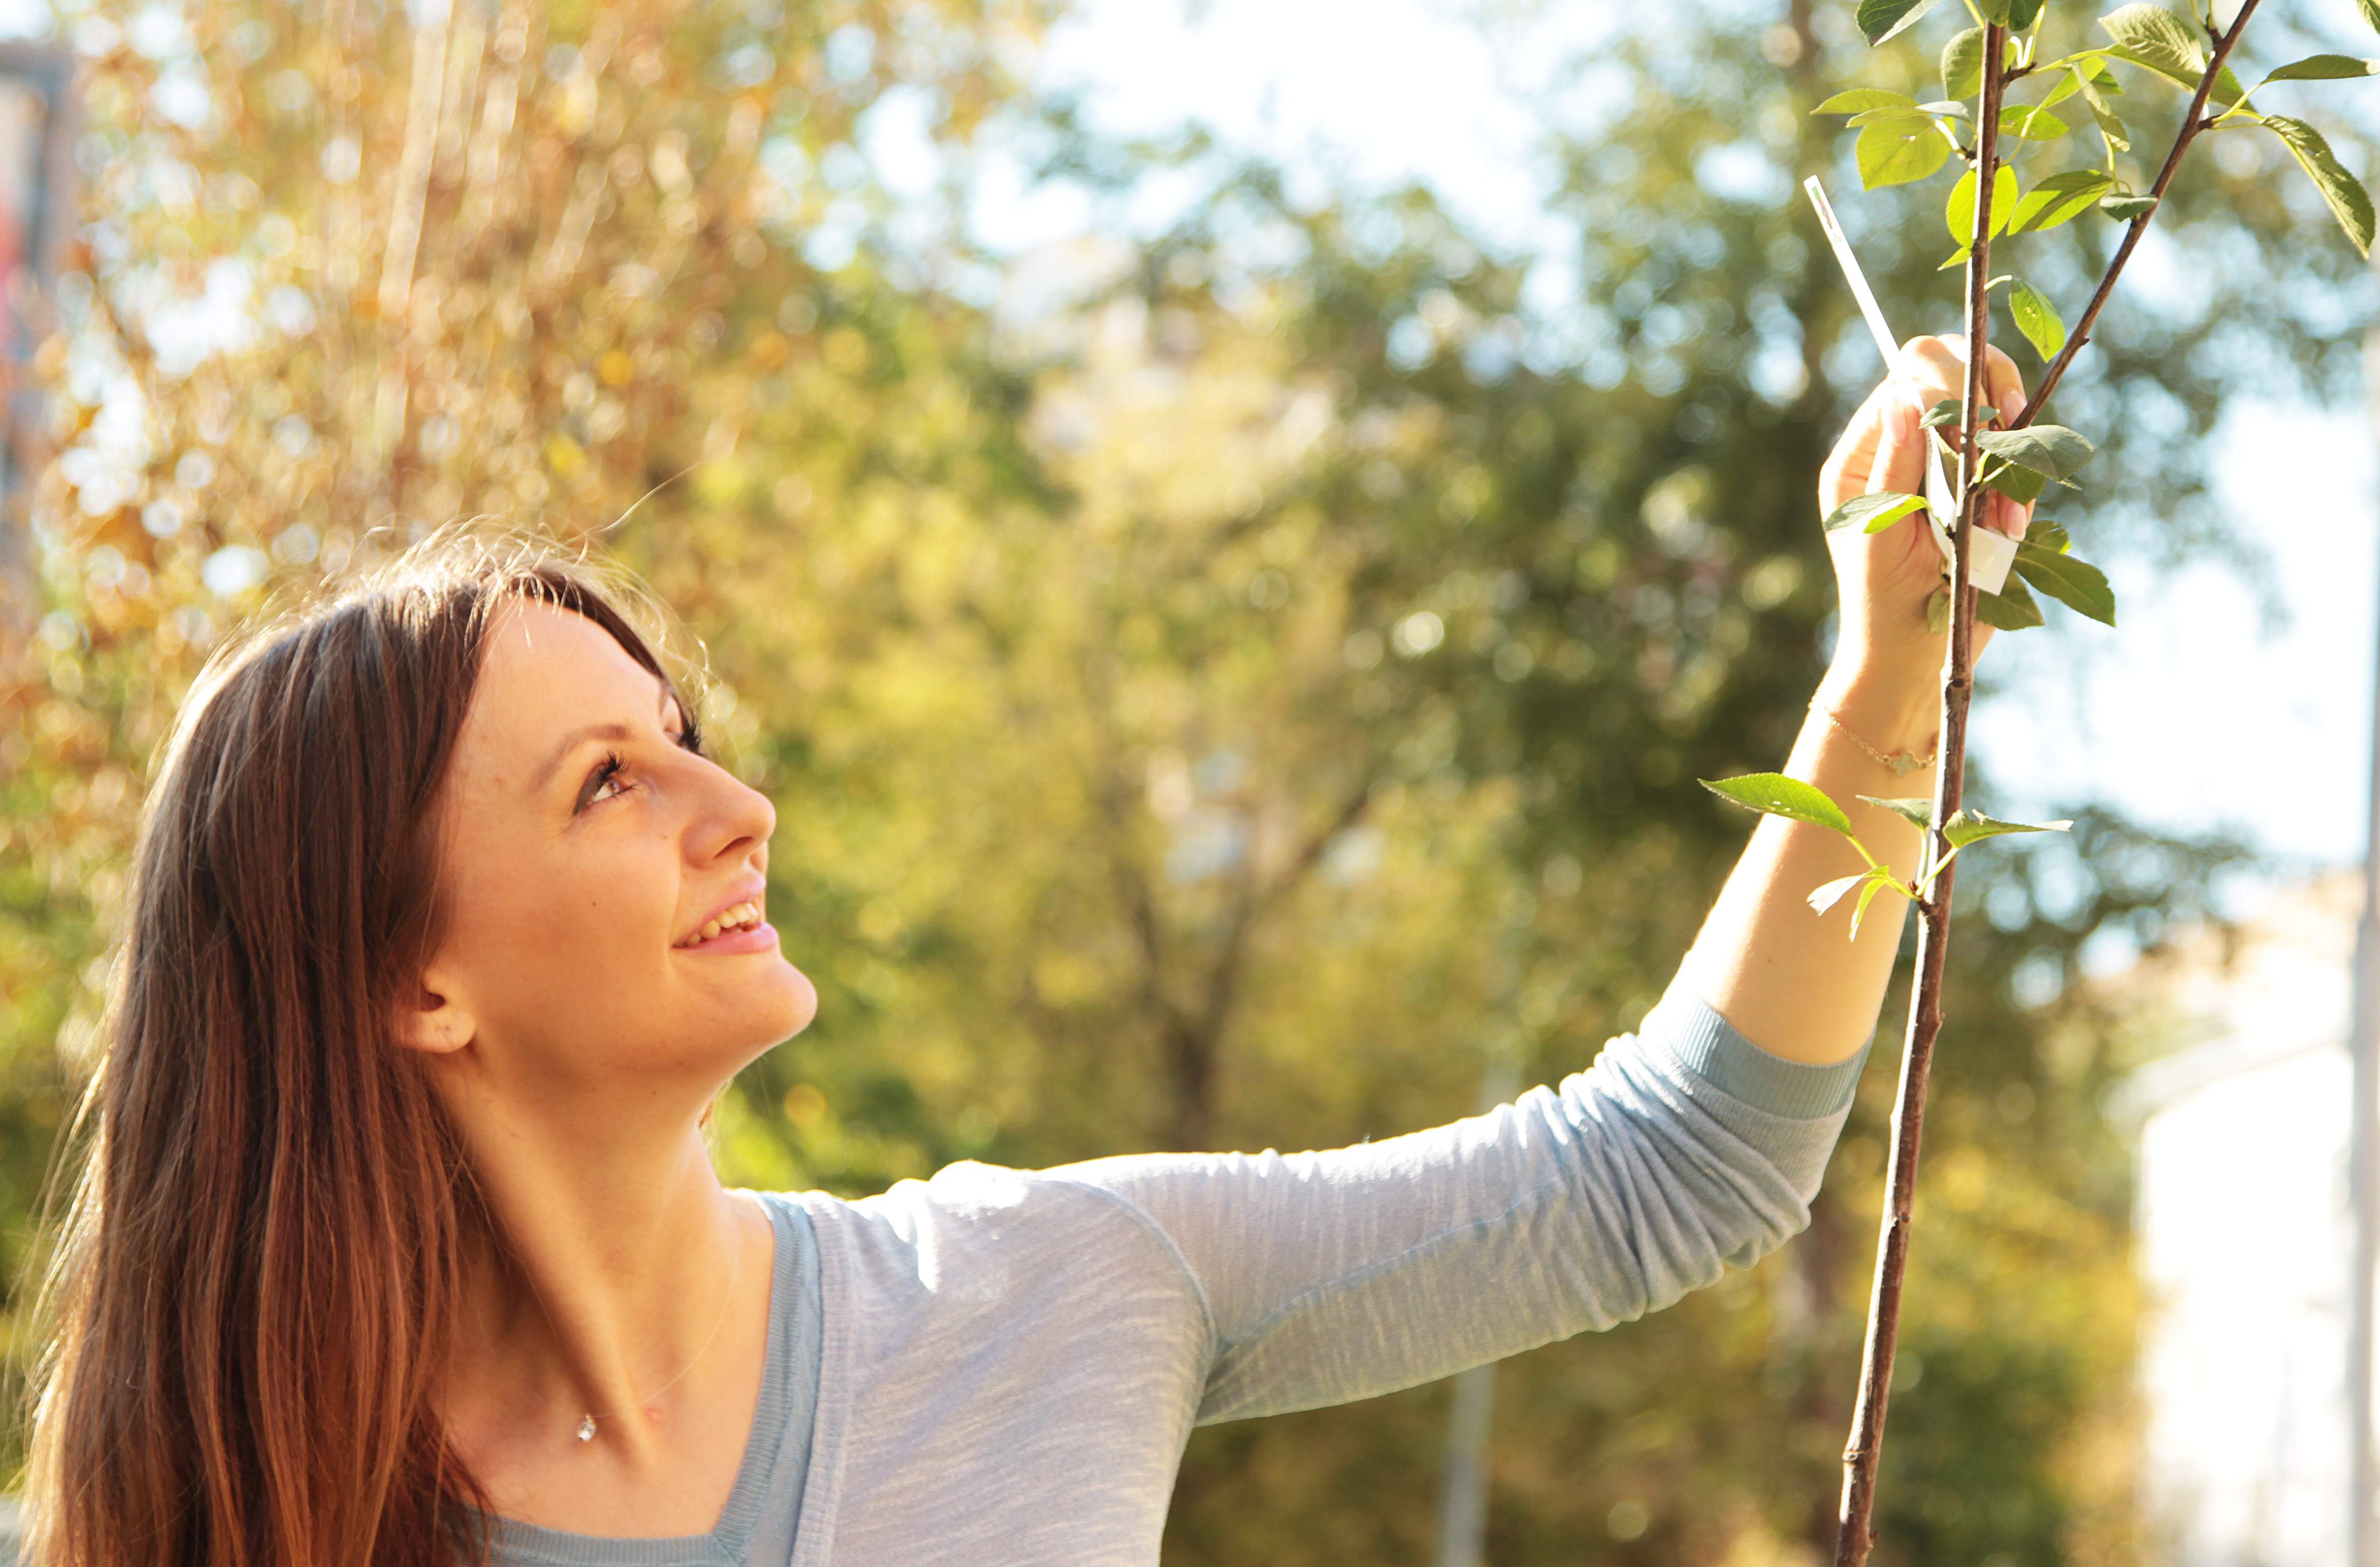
435, 1020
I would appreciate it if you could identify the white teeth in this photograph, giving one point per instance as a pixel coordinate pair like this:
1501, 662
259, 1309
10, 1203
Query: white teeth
742, 915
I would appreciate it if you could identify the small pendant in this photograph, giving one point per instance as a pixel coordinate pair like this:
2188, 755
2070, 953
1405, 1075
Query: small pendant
586, 1428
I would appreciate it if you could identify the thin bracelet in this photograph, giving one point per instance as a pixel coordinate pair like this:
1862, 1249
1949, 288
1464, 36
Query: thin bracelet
1902, 763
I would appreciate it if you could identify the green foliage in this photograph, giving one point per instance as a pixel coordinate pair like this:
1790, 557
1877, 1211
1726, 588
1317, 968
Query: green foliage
2341, 190
1773, 794
1897, 148
2042, 560
1881, 20
1959, 216
1966, 827
2048, 449
1873, 513
2036, 318
2060, 199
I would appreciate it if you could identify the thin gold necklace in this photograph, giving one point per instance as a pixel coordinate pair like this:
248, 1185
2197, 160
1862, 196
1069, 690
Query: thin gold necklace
735, 1274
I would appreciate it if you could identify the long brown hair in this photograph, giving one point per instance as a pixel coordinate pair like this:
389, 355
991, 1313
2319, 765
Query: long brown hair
258, 1281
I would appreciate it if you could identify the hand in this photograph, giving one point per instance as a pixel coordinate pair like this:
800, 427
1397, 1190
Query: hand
1887, 578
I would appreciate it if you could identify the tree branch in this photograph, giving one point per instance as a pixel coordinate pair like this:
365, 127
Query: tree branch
2192, 124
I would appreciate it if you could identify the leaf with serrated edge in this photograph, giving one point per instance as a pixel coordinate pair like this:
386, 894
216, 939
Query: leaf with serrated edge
1974, 826
1962, 63
2010, 609
1860, 100
1873, 513
1824, 898
2325, 68
2047, 535
2081, 587
1917, 813
2342, 190
1773, 794
1880, 20
2060, 199
1900, 152
2046, 448
2036, 318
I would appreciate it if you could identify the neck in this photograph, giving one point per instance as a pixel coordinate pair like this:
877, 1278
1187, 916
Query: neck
605, 1281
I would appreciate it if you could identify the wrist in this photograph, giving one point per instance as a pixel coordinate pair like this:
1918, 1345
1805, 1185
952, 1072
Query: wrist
1888, 710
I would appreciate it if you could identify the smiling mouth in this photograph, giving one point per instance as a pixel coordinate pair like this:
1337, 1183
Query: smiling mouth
743, 916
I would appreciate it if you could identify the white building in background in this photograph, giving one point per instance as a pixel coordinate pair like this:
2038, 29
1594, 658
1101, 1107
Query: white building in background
2244, 1236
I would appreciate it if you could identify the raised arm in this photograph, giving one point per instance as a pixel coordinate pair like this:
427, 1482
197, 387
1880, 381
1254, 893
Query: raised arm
1789, 980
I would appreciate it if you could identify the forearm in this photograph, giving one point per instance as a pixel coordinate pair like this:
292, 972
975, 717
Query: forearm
1788, 979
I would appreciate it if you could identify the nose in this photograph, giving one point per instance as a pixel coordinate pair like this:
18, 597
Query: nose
734, 820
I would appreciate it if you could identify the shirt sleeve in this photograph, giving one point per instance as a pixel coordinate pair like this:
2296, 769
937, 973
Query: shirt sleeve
1330, 1277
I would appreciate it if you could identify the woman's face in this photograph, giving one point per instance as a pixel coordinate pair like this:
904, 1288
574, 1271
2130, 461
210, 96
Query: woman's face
586, 853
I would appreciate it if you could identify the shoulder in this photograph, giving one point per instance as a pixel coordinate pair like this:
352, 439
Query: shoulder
987, 1216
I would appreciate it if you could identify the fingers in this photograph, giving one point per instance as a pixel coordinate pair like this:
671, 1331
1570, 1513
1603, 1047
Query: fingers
1936, 369
1900, 449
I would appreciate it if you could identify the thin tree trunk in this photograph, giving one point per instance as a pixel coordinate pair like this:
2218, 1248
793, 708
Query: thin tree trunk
1861, 1453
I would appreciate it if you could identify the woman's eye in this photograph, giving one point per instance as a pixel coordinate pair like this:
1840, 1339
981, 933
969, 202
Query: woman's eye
605, 783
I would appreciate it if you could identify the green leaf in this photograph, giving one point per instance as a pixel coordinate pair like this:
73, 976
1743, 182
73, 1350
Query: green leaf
2036, 318
2031, 123
2047, 535
1773, 794
2080, 587
1827, 896
2127, 205
1974, 826
1859, 100
1897, 152
1937, 612
2345, 194
1875, 883
2370, 10
2324, 68
1873, 513
1879, 20
1917, 813
2066, 87
2019, 484
2060, 199
2045, 448
1959, 213
1962, 65
1995, 10
2021, 14
2157, 38
2095, 95
2010, 609
1946, 412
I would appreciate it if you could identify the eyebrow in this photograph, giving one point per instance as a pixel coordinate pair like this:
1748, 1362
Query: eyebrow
612, 730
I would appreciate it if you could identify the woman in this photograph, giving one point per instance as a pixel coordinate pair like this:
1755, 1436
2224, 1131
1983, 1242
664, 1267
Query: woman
398, 1242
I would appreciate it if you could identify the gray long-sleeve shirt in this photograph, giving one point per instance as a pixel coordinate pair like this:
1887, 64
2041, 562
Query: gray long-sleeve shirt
998, 1368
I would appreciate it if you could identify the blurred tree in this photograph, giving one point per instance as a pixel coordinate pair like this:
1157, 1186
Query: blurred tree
1221, 688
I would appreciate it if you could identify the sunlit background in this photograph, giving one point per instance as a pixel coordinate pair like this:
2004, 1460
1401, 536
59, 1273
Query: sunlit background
1229, 531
